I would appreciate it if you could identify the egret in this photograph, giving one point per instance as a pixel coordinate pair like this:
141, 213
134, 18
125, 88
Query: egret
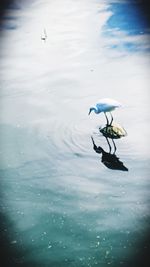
105, 105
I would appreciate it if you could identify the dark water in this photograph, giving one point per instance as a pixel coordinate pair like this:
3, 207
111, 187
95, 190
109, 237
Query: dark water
60, 205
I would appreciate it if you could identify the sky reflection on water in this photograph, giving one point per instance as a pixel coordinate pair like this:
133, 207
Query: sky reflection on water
128, 25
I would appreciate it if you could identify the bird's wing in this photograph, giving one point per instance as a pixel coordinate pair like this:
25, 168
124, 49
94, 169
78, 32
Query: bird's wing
102, 107
109, 102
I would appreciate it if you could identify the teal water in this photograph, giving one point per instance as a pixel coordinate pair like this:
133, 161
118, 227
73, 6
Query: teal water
60, 205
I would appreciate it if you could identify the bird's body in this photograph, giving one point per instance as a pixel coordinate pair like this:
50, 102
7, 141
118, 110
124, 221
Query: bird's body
105, 105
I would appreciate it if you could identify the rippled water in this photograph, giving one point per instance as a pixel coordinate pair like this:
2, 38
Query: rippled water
62, 206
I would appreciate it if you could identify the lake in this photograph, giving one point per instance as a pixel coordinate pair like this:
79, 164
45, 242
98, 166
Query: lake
61, 205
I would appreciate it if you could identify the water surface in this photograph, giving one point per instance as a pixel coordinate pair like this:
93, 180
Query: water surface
62, 206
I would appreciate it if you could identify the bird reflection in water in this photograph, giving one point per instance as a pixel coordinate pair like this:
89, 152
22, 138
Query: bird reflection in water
109, 159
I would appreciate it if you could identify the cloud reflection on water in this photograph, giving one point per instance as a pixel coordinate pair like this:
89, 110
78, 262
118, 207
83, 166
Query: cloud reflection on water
127, 27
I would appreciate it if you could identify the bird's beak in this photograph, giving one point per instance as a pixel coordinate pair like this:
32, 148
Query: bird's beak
89, 112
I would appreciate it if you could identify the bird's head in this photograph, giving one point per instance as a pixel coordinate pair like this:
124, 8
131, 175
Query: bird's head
95, 109
90, 110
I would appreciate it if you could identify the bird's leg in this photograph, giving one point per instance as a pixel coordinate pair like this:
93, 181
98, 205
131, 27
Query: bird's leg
108, 145
111, 119
106, 119
115, 148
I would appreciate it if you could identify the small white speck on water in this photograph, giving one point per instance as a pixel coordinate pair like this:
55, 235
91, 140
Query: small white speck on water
14, 242
107, 252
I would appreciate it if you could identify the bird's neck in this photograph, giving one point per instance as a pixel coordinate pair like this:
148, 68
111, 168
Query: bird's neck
95, 110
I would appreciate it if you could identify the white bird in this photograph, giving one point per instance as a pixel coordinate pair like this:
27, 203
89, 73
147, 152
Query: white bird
105, 105
44, 36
